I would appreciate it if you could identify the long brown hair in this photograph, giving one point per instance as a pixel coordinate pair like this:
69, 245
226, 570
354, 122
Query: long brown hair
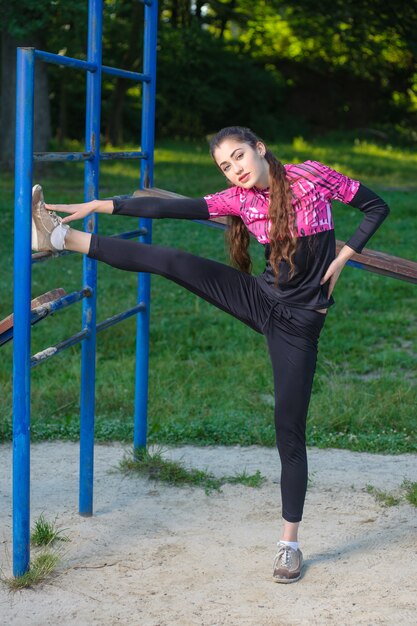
281, 214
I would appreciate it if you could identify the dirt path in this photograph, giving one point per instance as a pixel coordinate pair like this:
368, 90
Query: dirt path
154, 555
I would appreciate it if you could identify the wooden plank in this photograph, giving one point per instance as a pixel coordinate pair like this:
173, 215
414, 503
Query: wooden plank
7, 323
370, 260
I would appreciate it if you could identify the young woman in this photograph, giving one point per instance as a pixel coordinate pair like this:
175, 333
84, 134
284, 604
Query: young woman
288, 209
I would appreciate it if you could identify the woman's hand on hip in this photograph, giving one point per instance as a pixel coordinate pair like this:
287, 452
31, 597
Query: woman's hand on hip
335, 268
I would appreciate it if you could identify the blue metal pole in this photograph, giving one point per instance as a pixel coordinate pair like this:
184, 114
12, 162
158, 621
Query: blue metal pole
146, 180
25, 74
91, 187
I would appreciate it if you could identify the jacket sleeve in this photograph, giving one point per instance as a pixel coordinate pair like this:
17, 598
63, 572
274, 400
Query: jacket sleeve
375, 211
178, 208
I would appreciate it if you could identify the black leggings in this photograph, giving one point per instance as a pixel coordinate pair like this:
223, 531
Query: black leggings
291, 333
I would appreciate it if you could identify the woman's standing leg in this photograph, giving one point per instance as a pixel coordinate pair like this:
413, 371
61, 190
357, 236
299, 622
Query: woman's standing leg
292, 343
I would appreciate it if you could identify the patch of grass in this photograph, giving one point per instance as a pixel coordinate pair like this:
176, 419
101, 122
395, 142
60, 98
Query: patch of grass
383, 497
155, 467
41, 568
410, 489
250, 480
45, 533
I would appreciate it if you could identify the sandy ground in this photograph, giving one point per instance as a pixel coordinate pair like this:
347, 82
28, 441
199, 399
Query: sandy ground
155, 555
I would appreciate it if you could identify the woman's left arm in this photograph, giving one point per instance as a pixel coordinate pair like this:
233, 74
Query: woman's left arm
375, 211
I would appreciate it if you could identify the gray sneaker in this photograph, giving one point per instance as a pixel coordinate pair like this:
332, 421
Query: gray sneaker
287, 564
43, 222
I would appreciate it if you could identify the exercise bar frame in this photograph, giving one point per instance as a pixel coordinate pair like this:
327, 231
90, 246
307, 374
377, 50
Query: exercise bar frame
23, 259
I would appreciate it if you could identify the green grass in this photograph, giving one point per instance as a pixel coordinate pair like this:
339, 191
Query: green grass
41, 569
154, 466
210, 376
410, 489
44, 537
384, 498
45, 533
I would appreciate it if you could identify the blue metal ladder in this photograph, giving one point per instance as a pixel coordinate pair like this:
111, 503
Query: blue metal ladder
23, 259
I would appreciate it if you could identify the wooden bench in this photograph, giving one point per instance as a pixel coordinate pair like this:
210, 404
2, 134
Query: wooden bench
370, 260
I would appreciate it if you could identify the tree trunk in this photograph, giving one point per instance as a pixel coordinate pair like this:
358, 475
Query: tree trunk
42, 116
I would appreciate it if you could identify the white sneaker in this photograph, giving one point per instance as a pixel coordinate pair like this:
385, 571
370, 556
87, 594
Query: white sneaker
43, 222
287, 564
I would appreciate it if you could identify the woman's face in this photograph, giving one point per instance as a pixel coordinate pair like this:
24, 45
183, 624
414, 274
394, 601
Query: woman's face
242, 165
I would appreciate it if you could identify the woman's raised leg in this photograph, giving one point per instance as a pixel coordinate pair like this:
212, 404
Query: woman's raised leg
77, 241
223, 286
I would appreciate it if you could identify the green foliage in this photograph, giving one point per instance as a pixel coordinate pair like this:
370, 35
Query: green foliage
48, 18
281, 68
203, 86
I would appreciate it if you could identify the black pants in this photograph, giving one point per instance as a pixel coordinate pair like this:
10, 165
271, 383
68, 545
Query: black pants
291, 333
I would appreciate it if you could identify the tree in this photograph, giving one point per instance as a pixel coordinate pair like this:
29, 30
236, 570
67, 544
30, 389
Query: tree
41, 17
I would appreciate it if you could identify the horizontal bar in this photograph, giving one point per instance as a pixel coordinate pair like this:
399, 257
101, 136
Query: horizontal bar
63, 156
114, 71
86, 156
38, 257
106, 156
59, 59
110, 321
50, 308
211, 223
131, 234
46, 354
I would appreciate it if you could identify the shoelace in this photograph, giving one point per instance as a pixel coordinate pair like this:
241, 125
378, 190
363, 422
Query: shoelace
54, 217
286, 555
56, 220
283, 557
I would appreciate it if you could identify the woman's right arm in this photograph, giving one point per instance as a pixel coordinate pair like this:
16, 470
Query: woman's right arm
149, 206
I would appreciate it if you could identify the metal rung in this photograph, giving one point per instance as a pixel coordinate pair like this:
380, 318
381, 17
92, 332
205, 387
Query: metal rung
59, 59
106, 156
78, 64
46, 354
73, 157
114, 71
119, 317
63, 156
49, 308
